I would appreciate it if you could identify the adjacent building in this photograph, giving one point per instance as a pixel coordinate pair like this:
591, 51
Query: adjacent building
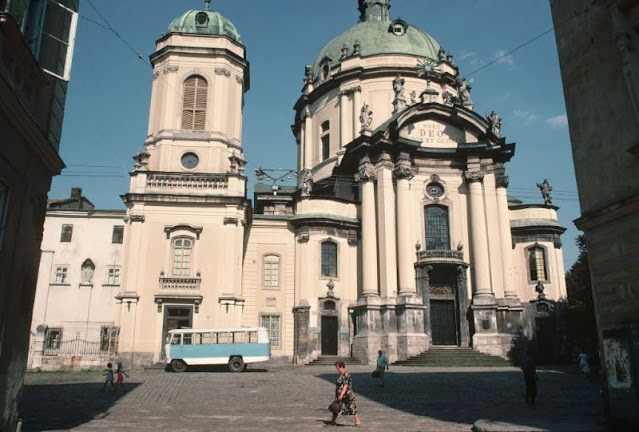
36, 46
399, 233
597, 44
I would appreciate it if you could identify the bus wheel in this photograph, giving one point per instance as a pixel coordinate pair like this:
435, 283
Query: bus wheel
178, 365
236, 364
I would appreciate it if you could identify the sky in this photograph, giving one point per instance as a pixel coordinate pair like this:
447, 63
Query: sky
506, 47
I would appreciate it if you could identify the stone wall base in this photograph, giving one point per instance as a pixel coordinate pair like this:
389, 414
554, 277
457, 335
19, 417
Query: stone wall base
497, 344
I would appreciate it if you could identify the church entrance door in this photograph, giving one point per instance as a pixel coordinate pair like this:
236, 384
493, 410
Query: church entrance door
329, 335
443, 322
175, 318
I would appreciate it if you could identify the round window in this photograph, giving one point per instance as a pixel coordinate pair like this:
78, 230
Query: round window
190, 160
201, 19
435, 190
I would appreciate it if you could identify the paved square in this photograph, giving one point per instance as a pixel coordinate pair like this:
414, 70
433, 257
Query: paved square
281, 398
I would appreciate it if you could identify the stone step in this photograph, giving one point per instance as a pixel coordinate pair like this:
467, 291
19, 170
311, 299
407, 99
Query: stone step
454, 356
330, 361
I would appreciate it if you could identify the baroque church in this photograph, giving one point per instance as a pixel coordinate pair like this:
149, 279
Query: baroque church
399, 234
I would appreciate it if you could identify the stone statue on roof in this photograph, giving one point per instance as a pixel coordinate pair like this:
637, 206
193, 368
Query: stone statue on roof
366, 116
545, 189
494, 122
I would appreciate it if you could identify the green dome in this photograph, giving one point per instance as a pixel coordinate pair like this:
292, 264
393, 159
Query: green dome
379, 37
204, 22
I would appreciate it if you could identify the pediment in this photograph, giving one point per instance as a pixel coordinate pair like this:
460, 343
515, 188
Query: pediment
432, 133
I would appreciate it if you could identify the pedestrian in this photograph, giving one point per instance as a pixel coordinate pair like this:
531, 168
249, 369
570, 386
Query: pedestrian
382, 365
120, 376
108, 373
344, 394
530, 376
583, 364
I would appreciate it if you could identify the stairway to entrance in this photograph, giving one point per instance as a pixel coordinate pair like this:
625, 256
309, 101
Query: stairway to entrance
454, 356
329, 360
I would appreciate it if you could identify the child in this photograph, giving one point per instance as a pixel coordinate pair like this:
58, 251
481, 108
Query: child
382, 365
120, 377
108, 373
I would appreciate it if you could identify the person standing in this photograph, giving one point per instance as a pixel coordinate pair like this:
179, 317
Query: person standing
529, 369
108, 374
344, 394
119, 383
382, 365
584, 365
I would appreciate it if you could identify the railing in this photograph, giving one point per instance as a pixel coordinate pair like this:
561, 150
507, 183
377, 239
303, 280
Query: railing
78, 347
190, 182
440, 255
180, 284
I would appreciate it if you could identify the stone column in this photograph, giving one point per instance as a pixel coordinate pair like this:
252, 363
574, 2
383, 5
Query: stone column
505, 237
343, 124
462, 299
482, 292
308, 139
357, 105
405, 254
386, 226
366, 177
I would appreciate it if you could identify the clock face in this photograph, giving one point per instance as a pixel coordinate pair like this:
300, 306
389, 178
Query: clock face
190, 160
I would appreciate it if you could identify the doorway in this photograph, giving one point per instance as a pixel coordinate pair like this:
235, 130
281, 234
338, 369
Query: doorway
175, 317
329, 335
443, 322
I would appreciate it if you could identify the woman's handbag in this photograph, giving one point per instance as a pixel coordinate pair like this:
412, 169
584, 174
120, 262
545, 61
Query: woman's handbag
335, 407
375, 373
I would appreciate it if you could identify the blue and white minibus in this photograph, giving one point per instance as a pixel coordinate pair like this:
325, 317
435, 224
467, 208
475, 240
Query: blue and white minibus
235, 347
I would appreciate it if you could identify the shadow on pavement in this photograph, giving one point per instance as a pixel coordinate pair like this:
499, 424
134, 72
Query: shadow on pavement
67, 405
465, 397
219, 369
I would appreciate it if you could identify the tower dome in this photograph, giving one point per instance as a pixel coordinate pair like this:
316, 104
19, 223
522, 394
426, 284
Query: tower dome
204, 22
377, 34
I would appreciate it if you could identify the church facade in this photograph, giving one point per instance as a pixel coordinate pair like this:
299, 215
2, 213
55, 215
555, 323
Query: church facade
399, 234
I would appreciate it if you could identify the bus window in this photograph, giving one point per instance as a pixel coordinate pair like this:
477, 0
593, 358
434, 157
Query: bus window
224, 338
252, 337
208, 338
176, 340
187, 339
239, 337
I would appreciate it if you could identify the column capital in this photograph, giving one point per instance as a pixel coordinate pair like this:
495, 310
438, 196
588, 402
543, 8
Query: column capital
350, 91
502, 181
366, 171
473, 176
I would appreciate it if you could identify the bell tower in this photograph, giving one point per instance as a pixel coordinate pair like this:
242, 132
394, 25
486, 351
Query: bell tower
374, 10
186, 205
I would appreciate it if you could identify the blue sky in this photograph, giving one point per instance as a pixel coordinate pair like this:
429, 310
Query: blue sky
108, 99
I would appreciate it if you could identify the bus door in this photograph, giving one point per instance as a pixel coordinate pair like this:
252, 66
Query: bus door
175, 317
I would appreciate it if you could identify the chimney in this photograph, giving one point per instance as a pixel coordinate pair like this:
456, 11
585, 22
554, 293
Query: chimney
76, 193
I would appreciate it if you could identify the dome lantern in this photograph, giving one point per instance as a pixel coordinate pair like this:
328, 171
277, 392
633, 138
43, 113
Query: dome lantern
374, 10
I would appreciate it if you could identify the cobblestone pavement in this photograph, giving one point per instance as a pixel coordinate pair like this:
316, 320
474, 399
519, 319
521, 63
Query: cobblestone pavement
281, 398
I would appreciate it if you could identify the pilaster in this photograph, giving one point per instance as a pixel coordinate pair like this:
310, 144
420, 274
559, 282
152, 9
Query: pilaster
386, 226
366, 177
405, 256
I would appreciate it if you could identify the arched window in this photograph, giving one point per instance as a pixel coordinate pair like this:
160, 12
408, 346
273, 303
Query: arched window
537, 263
182, 252
326, 140
437, 232
271, 271
329, 258
194, 103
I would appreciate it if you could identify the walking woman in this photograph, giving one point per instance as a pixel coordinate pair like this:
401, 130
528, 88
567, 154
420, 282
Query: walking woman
344, 394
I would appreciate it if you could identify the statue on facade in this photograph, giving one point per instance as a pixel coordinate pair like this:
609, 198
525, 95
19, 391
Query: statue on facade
494, 122
545, 189
308, 74
356, 48
87, 271
366, 116
464, 92
449, 98
441, 54
399, 103
539, 288
307, 182
344, 52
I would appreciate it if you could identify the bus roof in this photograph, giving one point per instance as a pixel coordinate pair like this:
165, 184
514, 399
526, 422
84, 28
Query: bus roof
204, 330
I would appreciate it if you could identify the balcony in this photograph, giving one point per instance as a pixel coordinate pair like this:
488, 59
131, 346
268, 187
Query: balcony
185, 183
180, 289
440, 256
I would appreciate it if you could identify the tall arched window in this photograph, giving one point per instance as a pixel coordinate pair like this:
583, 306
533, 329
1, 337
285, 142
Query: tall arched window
271, 271
537, 263
182, 251
325, 137
194, 103
329, 258
437, 231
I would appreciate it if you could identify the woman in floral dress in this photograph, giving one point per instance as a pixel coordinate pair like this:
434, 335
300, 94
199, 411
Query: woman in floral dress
344, 394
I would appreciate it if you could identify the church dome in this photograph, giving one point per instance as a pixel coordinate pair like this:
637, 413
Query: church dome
376, 34
204, 22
